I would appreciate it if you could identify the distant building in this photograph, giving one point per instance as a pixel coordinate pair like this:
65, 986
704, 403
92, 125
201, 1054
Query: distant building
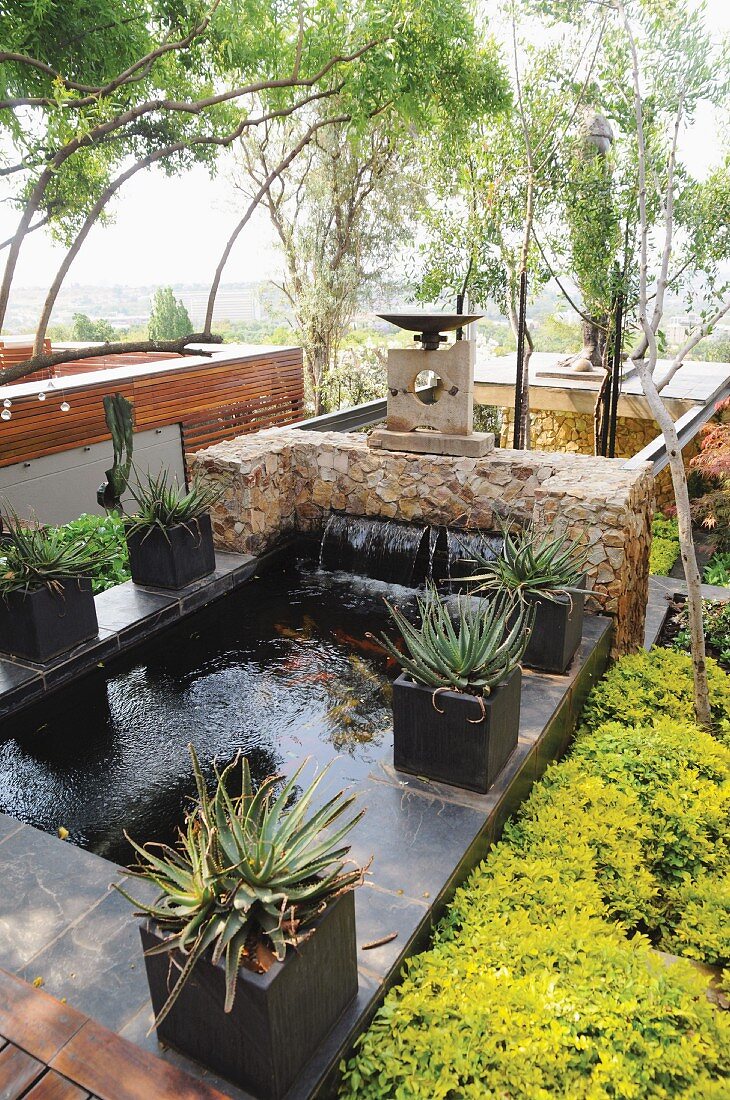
679, 327
230, 305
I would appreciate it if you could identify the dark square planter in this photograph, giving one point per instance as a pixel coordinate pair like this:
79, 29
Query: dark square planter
452, 747
278, 1018
557, 633
172, 558
39, 625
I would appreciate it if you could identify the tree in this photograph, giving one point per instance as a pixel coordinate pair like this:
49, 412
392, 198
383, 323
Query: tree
668, 82
497, 178
169, 319
86, 329
340, 214
342, 211
80, 123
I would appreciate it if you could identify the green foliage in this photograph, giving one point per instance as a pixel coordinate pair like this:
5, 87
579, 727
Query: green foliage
717, 570
246, 872
530, 563
162, 503
32, 556
169, 319
119, 417
716, 620
104, 535
664, 545
643, 687
532, 986
91, 331
474, 654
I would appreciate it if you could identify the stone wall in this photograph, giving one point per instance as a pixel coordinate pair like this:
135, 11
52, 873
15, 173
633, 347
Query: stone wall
573, 433
282, 481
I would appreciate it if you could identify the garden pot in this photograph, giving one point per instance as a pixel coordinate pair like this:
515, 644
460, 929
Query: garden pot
42, 623
278, 1018
172, 558
459, 746
557, 632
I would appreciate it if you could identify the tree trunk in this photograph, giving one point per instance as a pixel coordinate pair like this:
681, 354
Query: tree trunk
703, 713
590, 356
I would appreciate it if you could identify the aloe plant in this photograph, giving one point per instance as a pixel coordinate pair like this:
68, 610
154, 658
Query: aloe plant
119, 417
161, 503
32, 556
474, 654
531, 563
248, 873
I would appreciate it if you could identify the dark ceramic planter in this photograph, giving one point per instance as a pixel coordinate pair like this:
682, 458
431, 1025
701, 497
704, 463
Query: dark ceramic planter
278, 1018
41, 624
557, 633
459, 746
172, 558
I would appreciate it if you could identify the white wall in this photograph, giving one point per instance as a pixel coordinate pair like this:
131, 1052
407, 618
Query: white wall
58, 488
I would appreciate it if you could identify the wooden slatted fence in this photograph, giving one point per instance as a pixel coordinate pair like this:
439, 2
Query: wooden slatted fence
212, 400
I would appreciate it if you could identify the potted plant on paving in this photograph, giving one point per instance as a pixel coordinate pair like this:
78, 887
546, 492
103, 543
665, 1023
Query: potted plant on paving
46, 602
456, 705
250, 946
169, 537
545, 571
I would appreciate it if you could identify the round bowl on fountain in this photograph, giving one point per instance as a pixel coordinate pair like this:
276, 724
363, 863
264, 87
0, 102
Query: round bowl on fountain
430, 324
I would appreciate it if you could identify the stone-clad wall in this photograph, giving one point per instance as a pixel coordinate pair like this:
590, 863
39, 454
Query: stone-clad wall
285, 480
557, 430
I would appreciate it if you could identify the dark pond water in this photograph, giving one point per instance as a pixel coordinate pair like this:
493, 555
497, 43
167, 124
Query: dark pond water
280, 670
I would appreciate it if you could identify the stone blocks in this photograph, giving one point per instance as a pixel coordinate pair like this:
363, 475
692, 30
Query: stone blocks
281, 481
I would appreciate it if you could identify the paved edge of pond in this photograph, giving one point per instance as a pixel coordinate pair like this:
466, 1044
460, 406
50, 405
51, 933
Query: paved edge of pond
662, 590
61, 925
128, 614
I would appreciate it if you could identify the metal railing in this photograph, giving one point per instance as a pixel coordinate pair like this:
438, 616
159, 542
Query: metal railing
349, 420
687, 427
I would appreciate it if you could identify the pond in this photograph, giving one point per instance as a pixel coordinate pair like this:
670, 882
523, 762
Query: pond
281, 669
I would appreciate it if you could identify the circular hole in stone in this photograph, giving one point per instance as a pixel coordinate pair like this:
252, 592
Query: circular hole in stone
430, 386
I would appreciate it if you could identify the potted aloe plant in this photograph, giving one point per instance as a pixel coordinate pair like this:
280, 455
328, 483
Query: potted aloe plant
46, 601
250, 946
169, 536
456, 705
545, 571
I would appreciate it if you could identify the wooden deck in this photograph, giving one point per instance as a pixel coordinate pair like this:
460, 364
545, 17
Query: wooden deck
50, 1051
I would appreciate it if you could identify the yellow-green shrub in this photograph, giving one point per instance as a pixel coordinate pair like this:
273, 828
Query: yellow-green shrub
532, 987
542, 1010
664, 545
643, 687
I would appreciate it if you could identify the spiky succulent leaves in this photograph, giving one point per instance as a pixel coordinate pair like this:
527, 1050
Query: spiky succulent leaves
247, 870
531, 563
475, 653
33, 556
162, 504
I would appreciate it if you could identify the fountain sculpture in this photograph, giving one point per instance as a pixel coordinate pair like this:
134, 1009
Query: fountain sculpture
443, 422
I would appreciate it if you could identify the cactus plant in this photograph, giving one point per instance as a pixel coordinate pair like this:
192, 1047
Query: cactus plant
247, 874
475, 654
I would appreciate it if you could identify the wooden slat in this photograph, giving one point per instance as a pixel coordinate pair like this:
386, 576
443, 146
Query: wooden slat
212, 402
17, 1072
54, 1087
33, 1020
114, 1069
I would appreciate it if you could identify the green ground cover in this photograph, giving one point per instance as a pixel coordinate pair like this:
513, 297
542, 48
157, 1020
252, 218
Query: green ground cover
542, 980
105, 534
664, 545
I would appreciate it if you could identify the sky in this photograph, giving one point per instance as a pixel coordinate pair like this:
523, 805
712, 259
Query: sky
173, 230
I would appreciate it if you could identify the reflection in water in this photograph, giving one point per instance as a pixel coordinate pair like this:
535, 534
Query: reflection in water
281, 669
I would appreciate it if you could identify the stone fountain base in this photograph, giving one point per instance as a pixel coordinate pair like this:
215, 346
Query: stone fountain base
422, 441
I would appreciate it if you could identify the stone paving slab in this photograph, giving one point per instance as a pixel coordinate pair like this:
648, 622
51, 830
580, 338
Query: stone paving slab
127, 614
61, 923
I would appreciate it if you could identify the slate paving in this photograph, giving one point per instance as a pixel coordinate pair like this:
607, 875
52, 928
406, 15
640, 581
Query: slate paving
61, 924
127, 614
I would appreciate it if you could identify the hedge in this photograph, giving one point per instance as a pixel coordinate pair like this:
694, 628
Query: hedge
664, 545
542, 980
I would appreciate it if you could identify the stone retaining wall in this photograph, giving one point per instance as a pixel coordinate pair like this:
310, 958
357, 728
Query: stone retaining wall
572, 433
285, 480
